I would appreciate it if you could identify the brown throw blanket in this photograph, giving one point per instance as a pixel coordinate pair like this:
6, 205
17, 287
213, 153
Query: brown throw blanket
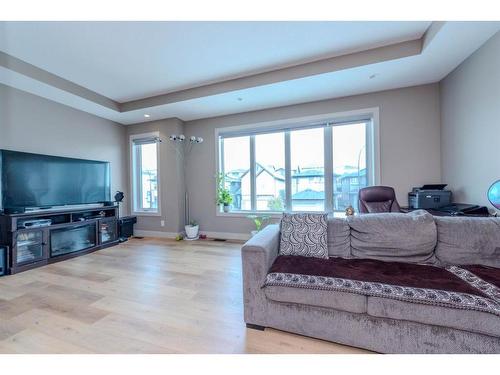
465, 287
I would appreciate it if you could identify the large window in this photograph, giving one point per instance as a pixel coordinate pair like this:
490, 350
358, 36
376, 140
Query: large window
144, 152
308, 168
349, 164
270, 171
236, 163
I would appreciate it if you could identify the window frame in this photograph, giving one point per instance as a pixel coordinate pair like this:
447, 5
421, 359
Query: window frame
368, 115
135, 186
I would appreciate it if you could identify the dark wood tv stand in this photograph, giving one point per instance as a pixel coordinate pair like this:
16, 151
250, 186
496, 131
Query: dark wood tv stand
71, 233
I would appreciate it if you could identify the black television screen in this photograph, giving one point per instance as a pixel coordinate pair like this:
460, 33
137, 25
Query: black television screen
33, 180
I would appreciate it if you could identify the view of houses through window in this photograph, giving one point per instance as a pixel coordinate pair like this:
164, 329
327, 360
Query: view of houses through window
306, 153
145, 169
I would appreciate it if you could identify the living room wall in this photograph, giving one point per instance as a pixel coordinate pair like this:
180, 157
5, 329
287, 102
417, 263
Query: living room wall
470, 113
409, 146
33, 124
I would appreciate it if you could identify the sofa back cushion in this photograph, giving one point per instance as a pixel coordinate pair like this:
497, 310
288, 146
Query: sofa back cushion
397, 237
339, 238
468, 240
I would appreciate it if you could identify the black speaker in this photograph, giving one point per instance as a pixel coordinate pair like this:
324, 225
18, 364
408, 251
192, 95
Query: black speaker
3, 260
126, 227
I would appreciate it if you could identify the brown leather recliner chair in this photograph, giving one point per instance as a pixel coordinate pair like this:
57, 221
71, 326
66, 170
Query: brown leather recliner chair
374, 199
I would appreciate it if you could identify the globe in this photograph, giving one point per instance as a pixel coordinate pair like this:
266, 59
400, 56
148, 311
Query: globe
494, 194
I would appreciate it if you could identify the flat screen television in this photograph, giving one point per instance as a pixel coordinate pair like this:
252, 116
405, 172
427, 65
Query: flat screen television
41, 181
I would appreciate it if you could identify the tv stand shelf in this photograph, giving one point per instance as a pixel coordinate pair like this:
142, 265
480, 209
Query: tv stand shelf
68, 234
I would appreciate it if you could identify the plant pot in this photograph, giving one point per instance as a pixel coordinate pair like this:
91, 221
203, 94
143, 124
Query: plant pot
226, 208
192, 231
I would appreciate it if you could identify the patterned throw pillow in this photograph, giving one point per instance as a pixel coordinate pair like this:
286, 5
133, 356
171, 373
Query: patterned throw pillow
304, 234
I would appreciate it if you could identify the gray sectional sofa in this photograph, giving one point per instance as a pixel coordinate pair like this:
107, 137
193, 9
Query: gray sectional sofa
394, 283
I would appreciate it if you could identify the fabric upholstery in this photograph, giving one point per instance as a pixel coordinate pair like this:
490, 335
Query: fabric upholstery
377, 334
376, 199
394, 237
488, 274
340, 300
376, 271
381, 334
304, 234
468, 240
257, 256
467, 320
339, 238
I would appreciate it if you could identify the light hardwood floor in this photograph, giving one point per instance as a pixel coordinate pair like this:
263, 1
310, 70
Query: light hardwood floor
143, 296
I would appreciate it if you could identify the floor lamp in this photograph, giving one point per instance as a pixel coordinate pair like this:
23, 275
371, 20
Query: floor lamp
183, 148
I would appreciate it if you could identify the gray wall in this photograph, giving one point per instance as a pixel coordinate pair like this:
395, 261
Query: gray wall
409, 145
33, 124
171, 178
470, 124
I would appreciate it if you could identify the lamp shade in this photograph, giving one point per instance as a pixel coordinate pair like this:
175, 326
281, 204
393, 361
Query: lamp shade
494, 194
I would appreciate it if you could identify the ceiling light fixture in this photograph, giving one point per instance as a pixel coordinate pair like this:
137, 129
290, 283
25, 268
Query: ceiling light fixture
373, 76
147, 116
239, 99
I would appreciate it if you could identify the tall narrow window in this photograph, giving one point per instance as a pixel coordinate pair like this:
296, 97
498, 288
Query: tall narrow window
307, 169
270, 171
144, 150
349, 164
236, 170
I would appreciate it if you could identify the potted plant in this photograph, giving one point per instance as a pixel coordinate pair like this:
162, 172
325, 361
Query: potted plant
259, 221
192, 229
224, 197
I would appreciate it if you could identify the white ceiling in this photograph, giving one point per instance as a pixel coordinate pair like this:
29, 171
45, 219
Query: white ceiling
134, 60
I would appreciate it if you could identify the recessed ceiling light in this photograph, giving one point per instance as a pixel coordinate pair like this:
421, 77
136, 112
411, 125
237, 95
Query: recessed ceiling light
373, 76
239, 99
147, 116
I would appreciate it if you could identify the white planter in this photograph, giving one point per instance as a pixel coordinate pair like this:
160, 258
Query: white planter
192, 231
226, 208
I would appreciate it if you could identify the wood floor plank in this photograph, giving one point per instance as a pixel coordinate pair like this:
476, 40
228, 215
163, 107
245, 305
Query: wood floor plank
143, 296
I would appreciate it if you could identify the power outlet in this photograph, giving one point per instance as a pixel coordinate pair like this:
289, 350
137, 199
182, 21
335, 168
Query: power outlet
162, 223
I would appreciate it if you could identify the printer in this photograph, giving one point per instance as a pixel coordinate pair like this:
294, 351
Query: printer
429, 197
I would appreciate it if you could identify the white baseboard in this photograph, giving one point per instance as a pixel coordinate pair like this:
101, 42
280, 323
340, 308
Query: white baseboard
154, 233
221, 235
227, 235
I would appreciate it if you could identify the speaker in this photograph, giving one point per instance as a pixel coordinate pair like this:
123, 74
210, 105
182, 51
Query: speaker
126, 227
3, 260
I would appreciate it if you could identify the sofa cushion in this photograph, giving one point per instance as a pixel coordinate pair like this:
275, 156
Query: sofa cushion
467, 240
456, 288
339, 238
397, 237
351, 302
467, 320
304, 234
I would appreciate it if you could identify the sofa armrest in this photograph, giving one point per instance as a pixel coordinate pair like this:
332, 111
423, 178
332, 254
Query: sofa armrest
263, 247
257, 255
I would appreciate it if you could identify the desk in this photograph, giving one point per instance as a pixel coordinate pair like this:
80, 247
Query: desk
476, 213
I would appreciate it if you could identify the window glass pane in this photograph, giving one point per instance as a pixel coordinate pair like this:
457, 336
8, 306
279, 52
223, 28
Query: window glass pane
307, 169
270, 171
236, 160
349, 164
148, 176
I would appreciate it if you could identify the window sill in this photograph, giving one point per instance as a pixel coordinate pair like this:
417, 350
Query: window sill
245, 214
145, 213
273, 215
